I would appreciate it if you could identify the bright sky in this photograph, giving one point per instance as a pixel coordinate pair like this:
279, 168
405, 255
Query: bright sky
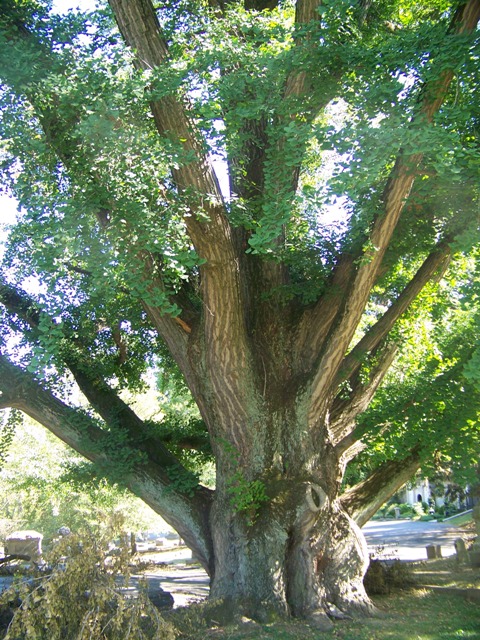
8, 206
8, 211
61, 6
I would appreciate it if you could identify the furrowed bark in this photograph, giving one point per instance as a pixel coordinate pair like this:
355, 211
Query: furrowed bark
316, 322
141, 31
263, 373
58, 134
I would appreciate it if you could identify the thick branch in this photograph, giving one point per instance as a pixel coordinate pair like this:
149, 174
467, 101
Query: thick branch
305, 94
364, 499
345, 412
20, 390
434, 267
365, 272
299, 83
141, 31
189, 516
317, 321
58, 133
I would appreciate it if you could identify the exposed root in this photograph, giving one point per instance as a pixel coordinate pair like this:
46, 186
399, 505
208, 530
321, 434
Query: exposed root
319, 620
335, 613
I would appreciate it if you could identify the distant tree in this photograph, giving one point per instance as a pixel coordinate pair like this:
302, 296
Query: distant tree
349, 133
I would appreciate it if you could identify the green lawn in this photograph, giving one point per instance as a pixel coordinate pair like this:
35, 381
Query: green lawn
460, 521
417, 614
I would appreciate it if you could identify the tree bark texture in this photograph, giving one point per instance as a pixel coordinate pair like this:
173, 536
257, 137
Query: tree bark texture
276, 535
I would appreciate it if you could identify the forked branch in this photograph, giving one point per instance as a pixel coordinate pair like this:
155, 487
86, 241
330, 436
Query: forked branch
366, 268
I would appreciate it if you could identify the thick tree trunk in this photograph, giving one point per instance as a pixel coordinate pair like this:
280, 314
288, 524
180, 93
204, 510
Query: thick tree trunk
295, 553
308, 564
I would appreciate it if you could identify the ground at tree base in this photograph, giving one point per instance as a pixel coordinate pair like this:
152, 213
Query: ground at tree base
423, 612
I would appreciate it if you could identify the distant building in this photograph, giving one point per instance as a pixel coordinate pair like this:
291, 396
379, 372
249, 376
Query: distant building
436, 494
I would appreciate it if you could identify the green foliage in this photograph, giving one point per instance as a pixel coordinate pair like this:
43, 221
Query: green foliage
179, 423
406, 510
9, 425
80, 599
181, 480
246, 496
45, 486
102, 104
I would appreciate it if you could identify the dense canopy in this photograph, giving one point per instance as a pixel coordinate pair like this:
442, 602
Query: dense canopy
273, 202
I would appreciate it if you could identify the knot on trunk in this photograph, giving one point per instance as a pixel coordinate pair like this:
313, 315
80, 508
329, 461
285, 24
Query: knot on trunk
316, 497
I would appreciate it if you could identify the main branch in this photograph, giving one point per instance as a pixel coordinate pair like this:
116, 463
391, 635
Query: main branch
365, 269
188, 515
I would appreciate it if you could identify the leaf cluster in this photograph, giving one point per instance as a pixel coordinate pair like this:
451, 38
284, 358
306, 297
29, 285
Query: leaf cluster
80, 598
430, 398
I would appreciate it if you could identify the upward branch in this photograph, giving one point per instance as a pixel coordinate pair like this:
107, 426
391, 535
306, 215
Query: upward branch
141, 31
434, 266
62, 138
365, 270
221, 285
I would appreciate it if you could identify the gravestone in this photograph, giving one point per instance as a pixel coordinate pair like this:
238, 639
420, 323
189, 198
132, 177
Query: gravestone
24, 543
474, 552
461, 549
431, 552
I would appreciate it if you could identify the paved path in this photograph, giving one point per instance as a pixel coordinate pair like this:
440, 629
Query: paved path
186, 582
407, 539
402, 539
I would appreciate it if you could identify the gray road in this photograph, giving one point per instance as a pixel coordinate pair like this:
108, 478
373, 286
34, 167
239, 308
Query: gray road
187, 583
402, 539
407, 539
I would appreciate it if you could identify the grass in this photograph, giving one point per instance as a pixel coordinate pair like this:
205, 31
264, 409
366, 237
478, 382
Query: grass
420, 613
460, 521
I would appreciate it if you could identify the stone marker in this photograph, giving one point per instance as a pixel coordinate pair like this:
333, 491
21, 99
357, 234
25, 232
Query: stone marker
24, 543
431, 552
462, 554
474, 552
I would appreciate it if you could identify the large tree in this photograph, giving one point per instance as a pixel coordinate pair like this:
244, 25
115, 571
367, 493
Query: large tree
349, 133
